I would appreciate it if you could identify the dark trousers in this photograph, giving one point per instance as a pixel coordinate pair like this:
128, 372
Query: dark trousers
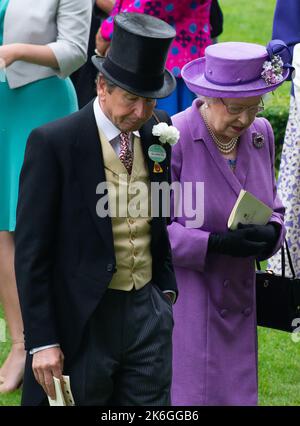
126, 354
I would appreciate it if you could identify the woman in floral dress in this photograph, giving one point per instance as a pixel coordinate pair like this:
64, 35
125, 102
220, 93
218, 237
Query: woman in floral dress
286, 26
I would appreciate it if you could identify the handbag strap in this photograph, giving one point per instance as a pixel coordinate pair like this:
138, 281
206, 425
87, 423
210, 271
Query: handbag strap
285, 245
290, 259
282, 261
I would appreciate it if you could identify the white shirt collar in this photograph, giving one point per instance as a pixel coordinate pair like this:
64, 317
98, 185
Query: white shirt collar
107, 127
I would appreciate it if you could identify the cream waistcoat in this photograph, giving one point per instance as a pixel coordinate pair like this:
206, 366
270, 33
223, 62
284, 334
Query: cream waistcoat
132, 235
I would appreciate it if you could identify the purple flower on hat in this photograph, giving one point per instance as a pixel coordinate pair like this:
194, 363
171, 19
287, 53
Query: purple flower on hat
273, 70
280, 57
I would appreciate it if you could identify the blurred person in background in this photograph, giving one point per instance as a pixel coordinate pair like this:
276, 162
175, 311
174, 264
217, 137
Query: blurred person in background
286, 26
216, 21
41, 44
84, 78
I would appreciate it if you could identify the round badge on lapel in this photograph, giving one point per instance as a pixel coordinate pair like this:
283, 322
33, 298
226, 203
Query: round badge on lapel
258, 140
157, 153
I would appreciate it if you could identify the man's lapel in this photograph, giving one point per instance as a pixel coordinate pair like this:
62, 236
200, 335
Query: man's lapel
156, 202
88, 160
110, 158
147, 140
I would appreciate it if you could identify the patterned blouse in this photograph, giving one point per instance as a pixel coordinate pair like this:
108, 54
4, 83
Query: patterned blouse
190, 19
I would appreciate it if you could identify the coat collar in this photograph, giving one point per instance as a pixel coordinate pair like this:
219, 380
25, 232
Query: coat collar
88, 162
110, 158
147, 140
200, 134
112, 161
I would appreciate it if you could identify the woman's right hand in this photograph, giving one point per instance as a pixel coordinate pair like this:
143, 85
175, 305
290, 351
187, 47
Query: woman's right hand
238, 243
8, 54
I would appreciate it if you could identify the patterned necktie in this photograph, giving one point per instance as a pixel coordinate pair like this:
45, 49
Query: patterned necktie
125, 152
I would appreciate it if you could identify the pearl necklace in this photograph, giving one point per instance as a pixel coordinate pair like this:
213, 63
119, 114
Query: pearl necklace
224, 148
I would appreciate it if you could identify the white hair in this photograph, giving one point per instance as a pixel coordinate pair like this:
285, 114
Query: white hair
207, 100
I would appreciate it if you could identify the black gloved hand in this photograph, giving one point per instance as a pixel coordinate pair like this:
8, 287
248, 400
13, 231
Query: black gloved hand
268, 234
236, 243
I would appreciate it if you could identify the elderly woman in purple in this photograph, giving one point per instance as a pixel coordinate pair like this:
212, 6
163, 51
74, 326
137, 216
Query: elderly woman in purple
225, 146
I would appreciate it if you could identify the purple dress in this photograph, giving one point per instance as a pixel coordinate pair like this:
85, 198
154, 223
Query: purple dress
215, 336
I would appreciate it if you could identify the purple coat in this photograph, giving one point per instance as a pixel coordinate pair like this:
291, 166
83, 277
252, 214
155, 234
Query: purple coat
215, 335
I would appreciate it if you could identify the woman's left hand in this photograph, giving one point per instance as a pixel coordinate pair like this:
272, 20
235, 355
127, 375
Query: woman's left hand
268, 234
8, 55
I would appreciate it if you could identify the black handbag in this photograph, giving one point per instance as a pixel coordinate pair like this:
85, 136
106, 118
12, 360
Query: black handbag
278, 297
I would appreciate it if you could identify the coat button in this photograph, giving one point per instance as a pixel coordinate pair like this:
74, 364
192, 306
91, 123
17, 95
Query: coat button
226, 283
224, 313
110, 267
247, 312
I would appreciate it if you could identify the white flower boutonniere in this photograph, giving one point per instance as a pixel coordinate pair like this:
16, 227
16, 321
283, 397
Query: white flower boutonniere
165, 133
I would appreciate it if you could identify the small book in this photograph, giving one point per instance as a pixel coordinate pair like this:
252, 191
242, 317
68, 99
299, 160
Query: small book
248, 210
64, 395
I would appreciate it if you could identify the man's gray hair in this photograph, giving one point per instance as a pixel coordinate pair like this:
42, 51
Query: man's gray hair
110, 85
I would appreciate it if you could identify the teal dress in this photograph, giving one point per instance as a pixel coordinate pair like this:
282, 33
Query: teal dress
22, 110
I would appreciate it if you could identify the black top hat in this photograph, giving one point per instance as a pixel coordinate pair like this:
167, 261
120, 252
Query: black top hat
137, 55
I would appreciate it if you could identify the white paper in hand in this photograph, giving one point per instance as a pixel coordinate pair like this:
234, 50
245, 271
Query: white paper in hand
69, 400
248, 210
64, 395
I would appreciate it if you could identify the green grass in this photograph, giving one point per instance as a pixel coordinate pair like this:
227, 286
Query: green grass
279, 371
247, 20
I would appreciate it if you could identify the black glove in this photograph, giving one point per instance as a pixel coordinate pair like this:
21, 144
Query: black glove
268, 234
236, 243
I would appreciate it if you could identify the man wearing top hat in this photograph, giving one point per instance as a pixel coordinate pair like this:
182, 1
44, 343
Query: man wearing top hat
96, 290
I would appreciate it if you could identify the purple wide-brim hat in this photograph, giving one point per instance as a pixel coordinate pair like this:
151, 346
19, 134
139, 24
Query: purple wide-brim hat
234, 69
